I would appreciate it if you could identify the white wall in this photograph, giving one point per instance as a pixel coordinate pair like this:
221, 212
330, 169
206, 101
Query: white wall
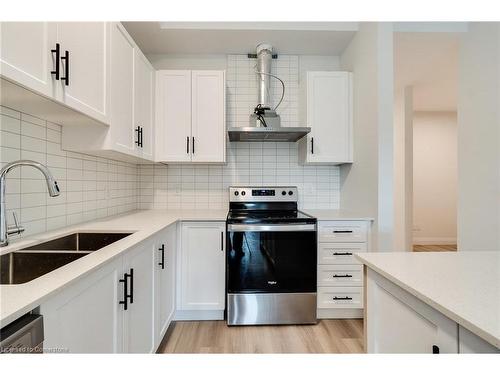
367, 184
479, 138
434, 178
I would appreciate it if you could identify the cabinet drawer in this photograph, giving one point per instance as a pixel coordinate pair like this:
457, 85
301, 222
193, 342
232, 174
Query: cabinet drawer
340, 297
340, 275
340, 252
343, 231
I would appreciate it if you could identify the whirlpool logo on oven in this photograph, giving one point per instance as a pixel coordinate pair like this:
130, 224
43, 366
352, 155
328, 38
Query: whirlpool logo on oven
272, 282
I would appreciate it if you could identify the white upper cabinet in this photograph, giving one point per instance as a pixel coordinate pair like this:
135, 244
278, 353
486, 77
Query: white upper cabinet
190, 110
173, 111
85, 67
121, 132
208, 125
143, 104
26, 56
130, 134
328, 112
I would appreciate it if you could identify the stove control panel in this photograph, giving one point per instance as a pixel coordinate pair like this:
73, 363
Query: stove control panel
263, 194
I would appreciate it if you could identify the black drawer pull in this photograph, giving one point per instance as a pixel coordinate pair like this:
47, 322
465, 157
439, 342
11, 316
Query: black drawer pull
346, 253
435, 349
342, 231
187, 145
162, 262
138, 139
312, 145
342, 298
125, 291
346, 275
66, 68
131, 295
221, 241
193, 145
57, 51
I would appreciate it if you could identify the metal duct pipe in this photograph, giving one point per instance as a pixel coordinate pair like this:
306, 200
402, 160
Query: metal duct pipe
264, 58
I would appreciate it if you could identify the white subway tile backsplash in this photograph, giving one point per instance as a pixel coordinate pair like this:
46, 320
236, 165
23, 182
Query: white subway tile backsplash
85, 192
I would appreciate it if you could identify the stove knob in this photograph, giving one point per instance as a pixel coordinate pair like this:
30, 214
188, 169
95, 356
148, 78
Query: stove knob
236, 193
243, 193
290, 192
283, 192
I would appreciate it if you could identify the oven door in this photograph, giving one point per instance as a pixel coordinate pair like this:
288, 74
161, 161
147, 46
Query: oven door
271, 258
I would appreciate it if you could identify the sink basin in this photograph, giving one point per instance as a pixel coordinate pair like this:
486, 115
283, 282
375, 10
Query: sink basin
31, 262
20, 267
78, 242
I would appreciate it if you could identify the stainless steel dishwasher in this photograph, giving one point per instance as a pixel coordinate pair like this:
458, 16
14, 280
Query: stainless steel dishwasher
24, 335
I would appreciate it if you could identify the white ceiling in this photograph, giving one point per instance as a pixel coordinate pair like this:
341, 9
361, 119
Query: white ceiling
429, 63
301, 38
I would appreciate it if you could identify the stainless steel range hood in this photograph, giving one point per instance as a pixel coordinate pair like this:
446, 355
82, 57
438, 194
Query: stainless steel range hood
269, 134
265, 123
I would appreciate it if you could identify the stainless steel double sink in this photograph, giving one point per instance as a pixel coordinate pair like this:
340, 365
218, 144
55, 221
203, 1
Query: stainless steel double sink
27, 264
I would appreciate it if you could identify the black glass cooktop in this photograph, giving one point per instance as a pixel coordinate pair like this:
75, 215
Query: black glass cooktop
265, 216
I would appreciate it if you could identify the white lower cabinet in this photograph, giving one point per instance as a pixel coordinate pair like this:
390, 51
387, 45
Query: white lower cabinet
138, 319
124, 306
202, 267
165, 280
86, 317
472, 344
340, 275
398, 322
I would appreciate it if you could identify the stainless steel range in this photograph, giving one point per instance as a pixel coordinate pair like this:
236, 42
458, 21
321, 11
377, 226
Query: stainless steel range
271, 258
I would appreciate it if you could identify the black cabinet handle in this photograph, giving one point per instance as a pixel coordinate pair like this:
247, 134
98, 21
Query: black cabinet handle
346, 275
346, 253
342, 298
221, 241
57, 71
312, 145
131, 295
435, 349
187, 145
141, 134
162, 262
342, 231
193, 145
138, 139
125, 291
66, 68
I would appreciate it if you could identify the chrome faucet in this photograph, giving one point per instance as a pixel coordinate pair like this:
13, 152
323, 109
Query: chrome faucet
5, 230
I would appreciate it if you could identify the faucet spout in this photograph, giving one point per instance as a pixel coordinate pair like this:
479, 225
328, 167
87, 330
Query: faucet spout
51, 185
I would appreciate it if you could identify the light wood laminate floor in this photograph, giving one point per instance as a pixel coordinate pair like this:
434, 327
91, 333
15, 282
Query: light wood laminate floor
328, 336
423, 248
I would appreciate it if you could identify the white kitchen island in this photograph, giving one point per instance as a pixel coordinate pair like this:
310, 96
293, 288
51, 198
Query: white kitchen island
432, 302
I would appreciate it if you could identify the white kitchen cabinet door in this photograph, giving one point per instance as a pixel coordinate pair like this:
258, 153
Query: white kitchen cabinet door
173, 110
165, 280
329, 115
139, 324
122, 135
398, 322
26, 56
208, 116
203, 266
143, 103
87, 317
88, 47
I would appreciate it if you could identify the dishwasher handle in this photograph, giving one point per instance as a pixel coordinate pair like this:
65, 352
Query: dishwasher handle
24, 335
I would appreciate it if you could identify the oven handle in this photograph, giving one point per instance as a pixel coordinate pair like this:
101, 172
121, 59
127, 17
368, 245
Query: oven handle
271, 228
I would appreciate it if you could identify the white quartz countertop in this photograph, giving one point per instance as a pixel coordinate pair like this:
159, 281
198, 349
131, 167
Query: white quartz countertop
337, 215
464, 286
16, 300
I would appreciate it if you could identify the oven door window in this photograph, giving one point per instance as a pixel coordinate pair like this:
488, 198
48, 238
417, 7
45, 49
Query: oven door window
271, 262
